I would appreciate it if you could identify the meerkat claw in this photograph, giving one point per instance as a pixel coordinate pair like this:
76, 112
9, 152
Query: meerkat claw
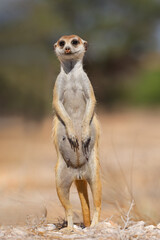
71, 143
74, 144
85, 147
77, 144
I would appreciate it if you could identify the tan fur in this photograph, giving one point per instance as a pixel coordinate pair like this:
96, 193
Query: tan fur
89, 170
83, 195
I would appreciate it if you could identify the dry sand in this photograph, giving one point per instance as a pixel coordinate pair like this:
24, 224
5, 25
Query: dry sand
130, 164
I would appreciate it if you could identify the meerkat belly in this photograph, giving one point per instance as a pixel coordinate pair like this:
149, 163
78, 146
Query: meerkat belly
75, 106
75, 158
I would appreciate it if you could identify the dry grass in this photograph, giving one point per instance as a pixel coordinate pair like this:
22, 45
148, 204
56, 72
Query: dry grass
129, 153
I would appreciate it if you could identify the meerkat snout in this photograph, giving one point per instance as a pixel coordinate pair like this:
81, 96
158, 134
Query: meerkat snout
67, 50
70, 47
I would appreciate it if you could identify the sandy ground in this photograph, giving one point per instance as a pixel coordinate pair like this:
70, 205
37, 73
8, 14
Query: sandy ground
130, 165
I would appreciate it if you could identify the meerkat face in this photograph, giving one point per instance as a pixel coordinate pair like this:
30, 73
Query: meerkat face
70, 47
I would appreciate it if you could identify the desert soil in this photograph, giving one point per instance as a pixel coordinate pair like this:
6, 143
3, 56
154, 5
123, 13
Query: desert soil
130, 168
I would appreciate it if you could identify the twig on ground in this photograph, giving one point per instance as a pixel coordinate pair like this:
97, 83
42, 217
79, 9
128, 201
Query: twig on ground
127, 216
108, 219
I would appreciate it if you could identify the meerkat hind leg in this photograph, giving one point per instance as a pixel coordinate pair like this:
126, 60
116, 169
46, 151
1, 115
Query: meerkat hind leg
63, 184
96, 189
64, 198
83, 195
96, 192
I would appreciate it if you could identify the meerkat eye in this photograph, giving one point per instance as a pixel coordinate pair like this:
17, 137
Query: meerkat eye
62, 43
75, 42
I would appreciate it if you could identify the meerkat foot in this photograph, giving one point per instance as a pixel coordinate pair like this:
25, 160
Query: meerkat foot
66, 230
94, 221
70, 230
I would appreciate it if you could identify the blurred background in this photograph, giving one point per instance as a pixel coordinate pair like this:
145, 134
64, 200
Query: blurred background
123, 64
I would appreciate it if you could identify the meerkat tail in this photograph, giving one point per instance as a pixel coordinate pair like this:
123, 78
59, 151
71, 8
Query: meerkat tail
83, 195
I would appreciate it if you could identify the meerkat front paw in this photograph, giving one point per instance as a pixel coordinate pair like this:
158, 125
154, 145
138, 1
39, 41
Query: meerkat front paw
86, 138
73, 140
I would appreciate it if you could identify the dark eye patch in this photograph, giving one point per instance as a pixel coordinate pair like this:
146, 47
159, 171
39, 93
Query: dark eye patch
62, 43
75, 42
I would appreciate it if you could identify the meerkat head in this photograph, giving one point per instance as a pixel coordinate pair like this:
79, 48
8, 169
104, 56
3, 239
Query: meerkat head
70, 47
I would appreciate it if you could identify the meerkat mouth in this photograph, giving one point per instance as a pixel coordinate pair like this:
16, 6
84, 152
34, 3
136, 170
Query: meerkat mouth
70, 53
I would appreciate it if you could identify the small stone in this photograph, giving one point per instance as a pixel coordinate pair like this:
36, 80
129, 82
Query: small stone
103, 225
86, 229
41, 230
150, 227
108, 224
18, 231
158, 225
138, 224
76, 227
50, 227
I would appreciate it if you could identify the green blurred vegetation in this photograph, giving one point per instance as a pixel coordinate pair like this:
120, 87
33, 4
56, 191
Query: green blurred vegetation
146, 90
119, 33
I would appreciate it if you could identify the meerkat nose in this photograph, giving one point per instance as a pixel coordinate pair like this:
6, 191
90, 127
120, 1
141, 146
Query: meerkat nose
67, 49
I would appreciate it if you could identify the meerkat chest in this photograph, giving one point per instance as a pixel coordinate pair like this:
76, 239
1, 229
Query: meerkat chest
73, 84
73, 97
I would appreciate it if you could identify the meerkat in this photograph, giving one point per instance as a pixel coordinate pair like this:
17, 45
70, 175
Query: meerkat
76, 131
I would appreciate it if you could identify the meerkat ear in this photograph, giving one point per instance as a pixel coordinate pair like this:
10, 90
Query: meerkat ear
55, 45
85, 45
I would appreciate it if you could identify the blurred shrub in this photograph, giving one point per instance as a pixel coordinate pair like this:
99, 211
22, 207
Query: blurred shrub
146, 89
14, 100
118, 32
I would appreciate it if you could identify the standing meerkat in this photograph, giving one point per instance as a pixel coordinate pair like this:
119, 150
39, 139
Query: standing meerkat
76, 130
